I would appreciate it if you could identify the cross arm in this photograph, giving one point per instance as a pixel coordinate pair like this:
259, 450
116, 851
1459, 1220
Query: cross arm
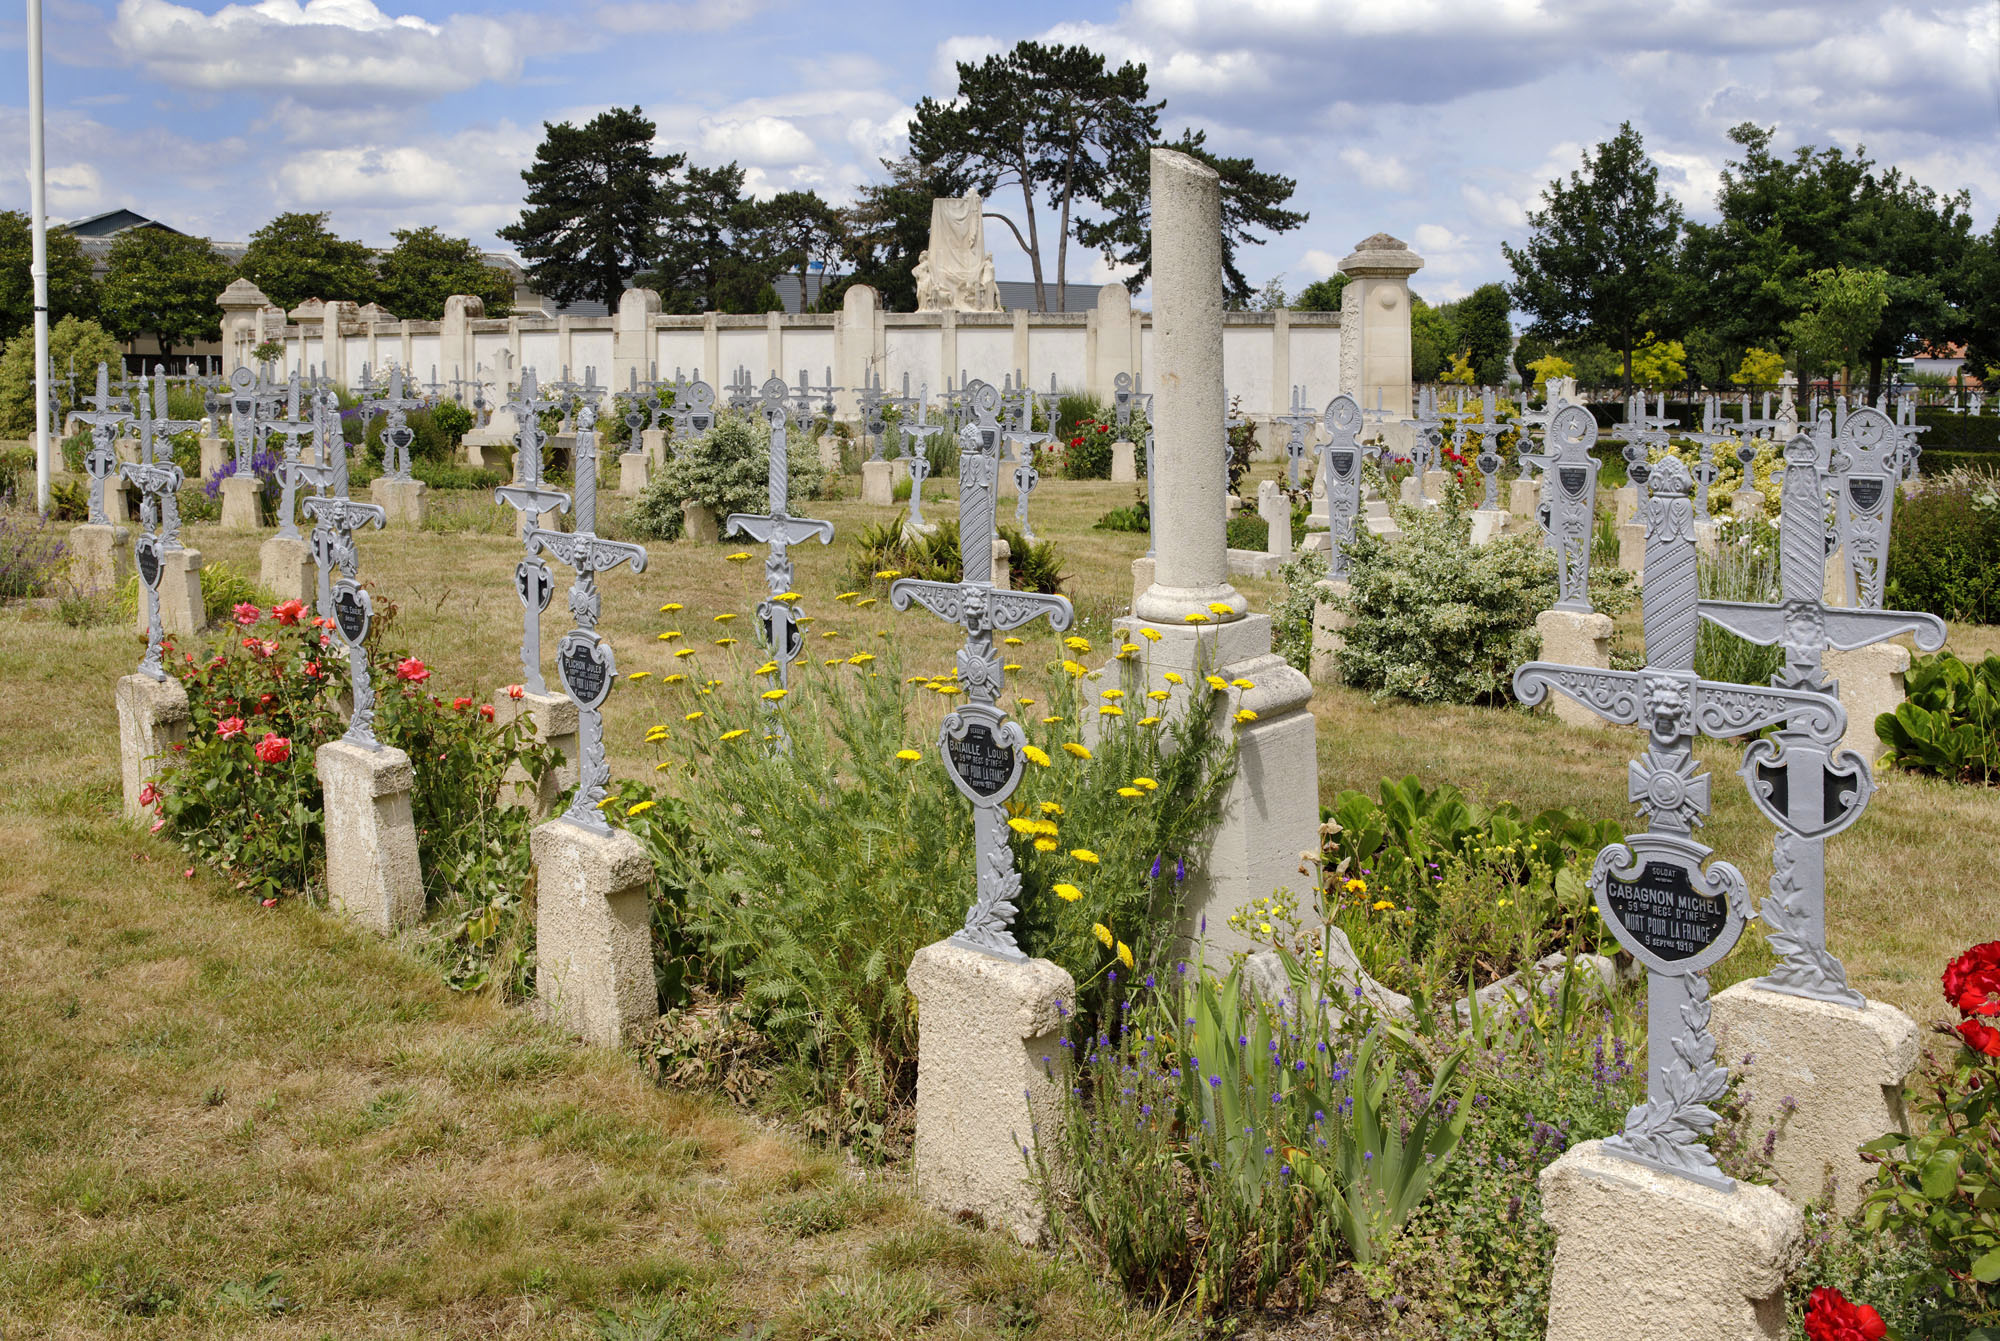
790, 530
1012, 609
1616, 696
588, 553
946, 600
1849, 629
344, 513
527, 498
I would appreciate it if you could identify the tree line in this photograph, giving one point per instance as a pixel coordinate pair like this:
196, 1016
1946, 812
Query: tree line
1822, 260
164, 284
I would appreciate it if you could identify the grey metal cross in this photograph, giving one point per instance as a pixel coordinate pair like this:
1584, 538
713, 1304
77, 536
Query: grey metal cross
157, 482
1022, 438
981, 745
291, 428
1705, 471
108, 414
777, 614
533, 582
1806, 789
1340, 458
1302, 421
156, 447
1568, 507
336, 517
1489, 426
916, 445
1867, 462
638, 402
397, 435
1231, 420
693, 410
1675, 912
584, 662
325, 476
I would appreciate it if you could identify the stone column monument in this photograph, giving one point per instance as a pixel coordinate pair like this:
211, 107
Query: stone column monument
1375, 328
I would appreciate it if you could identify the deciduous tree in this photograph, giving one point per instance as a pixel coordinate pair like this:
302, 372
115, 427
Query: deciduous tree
296, 256
72, 291
164, 285
425, 267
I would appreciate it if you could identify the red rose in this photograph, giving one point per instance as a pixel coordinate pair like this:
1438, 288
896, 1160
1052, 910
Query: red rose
274, 748
412, 671
1972, 981
312, 670
289, 612
515, 691
1830, 1317
230, 728
218, 663
486, 712
248, 614
460, 704
1981, 1038
148, 794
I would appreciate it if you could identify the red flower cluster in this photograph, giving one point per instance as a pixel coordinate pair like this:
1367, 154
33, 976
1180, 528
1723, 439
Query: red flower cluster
486, 712
274, 748
412, 671
248, 614
460, 704
230, 728
290, 612
1972, 984
1830, 1317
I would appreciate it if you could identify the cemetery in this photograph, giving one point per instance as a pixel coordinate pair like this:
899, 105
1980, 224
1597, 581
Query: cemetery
1108, 822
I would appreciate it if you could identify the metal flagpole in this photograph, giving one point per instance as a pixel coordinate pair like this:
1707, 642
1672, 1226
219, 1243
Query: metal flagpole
39, 264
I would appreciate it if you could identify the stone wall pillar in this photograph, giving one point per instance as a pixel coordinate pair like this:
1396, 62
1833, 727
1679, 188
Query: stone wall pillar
711, 354
1375, 323
1281, 368
333, 362
242, 305
455, 346
948, 348
1117, 341
632, 341
774, 345
1022, 350
854, 347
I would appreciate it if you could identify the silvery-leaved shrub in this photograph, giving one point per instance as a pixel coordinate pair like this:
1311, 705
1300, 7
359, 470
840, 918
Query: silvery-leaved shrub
726, 469
1435, 619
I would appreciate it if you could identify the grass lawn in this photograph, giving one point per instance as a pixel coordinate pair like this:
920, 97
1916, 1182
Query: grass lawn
201, 1096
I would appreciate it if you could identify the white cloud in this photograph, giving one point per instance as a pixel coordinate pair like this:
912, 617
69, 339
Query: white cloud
1319, 263
670, 16
1376, 172
766, 140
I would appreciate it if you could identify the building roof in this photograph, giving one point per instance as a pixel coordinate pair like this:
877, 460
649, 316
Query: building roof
113, 222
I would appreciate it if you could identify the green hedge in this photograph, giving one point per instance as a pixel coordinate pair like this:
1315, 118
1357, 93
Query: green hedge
1951, 432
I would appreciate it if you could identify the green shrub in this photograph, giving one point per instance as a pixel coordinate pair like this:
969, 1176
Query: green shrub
1949, 723
888, 547
454, 420
223, 588
1136, 518
433, 443
1949, 432
1743, 568
32, 555
1084, 451
1292, 619
73, 342
726, 469
1435, 620
1246, 530
1944, 548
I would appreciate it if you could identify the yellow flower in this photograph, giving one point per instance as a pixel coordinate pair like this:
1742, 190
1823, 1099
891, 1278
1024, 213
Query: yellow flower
1195, 617
1502, 904
1125, 954
1123, 648
1045, 827
1080, 751
1147, 783
1021, 826
864, 602
1173, 677
606, 801
1242, 683
1076, 644
731, 735
830, 661
689, 651
1103, 934
1150, 635
1075, 667
861, 658
670, 635
1157, 695
638, 675
1084, 854
1217, 682
725, 617
1113, 694
1045, 845
1050, 721
767, 668
1130, 792
909, 756
719, 642
888, 573
1035, 755
739, 557
1011, 641
1149, 721
830, 633
1218, 608
915, 679
1356, 886
670, 607
1111, 710
1245, 715
694, 716
1383, 906
1049, 807
641, 808
663, 765
675, 678
774, 694
847, 595
949, 689
1010, 666
1024, 703
786, 597
1068, 893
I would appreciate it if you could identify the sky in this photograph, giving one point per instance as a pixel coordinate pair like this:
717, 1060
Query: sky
1438, 121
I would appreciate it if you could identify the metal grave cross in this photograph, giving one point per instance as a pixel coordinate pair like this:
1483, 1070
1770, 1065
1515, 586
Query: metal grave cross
1866, 463
777, 614
637, 415
1152, 512
156, 447
533, 582
981, 746
982, 401
584, 662
325, 478
693, 410
336, 517
1426, 440
1340, 459
397, 435
1023, 439
1121, 399
1230, 422
1705, 471
1568, 507
1303, 423
1489, 426
917, 447
1675, 912
1907, 425
871, 400
1807, 790
291, 428
108, 414
157, 482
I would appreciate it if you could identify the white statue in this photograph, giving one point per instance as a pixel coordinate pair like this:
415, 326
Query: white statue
956, 271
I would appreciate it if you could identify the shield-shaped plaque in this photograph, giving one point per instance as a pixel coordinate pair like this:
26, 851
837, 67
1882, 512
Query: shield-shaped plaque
1844, 781
534, 583
1640, 472
701, 423
1343, 463
1866, 491
400, 437
982, 762
877, 426
781, 631
146, 551
351, 609
1671, 914
1573, 479
636, 421
586, 667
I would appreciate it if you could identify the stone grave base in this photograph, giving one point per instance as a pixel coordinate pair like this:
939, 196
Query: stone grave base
698, 524
1488, 524
1124, 463
1843, 1069
242, 503
989, 1074
593, 932
911, 528
1434, 485
1328, 632
1142, 576
1747, 503
1871, 683
1003, 558
1255, 563
1524, 496
1707, 535
1625, 503
1316, 542
653, 445
1411, 493
371, 840
118, 499
553, 721
127, 449
1632, 548
1647, 1256
182, 610
152, 718
213, 453
631, 473
101, 556
1575, 638
285, 568
488, 451
1274, 506
878, 483
402, 500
